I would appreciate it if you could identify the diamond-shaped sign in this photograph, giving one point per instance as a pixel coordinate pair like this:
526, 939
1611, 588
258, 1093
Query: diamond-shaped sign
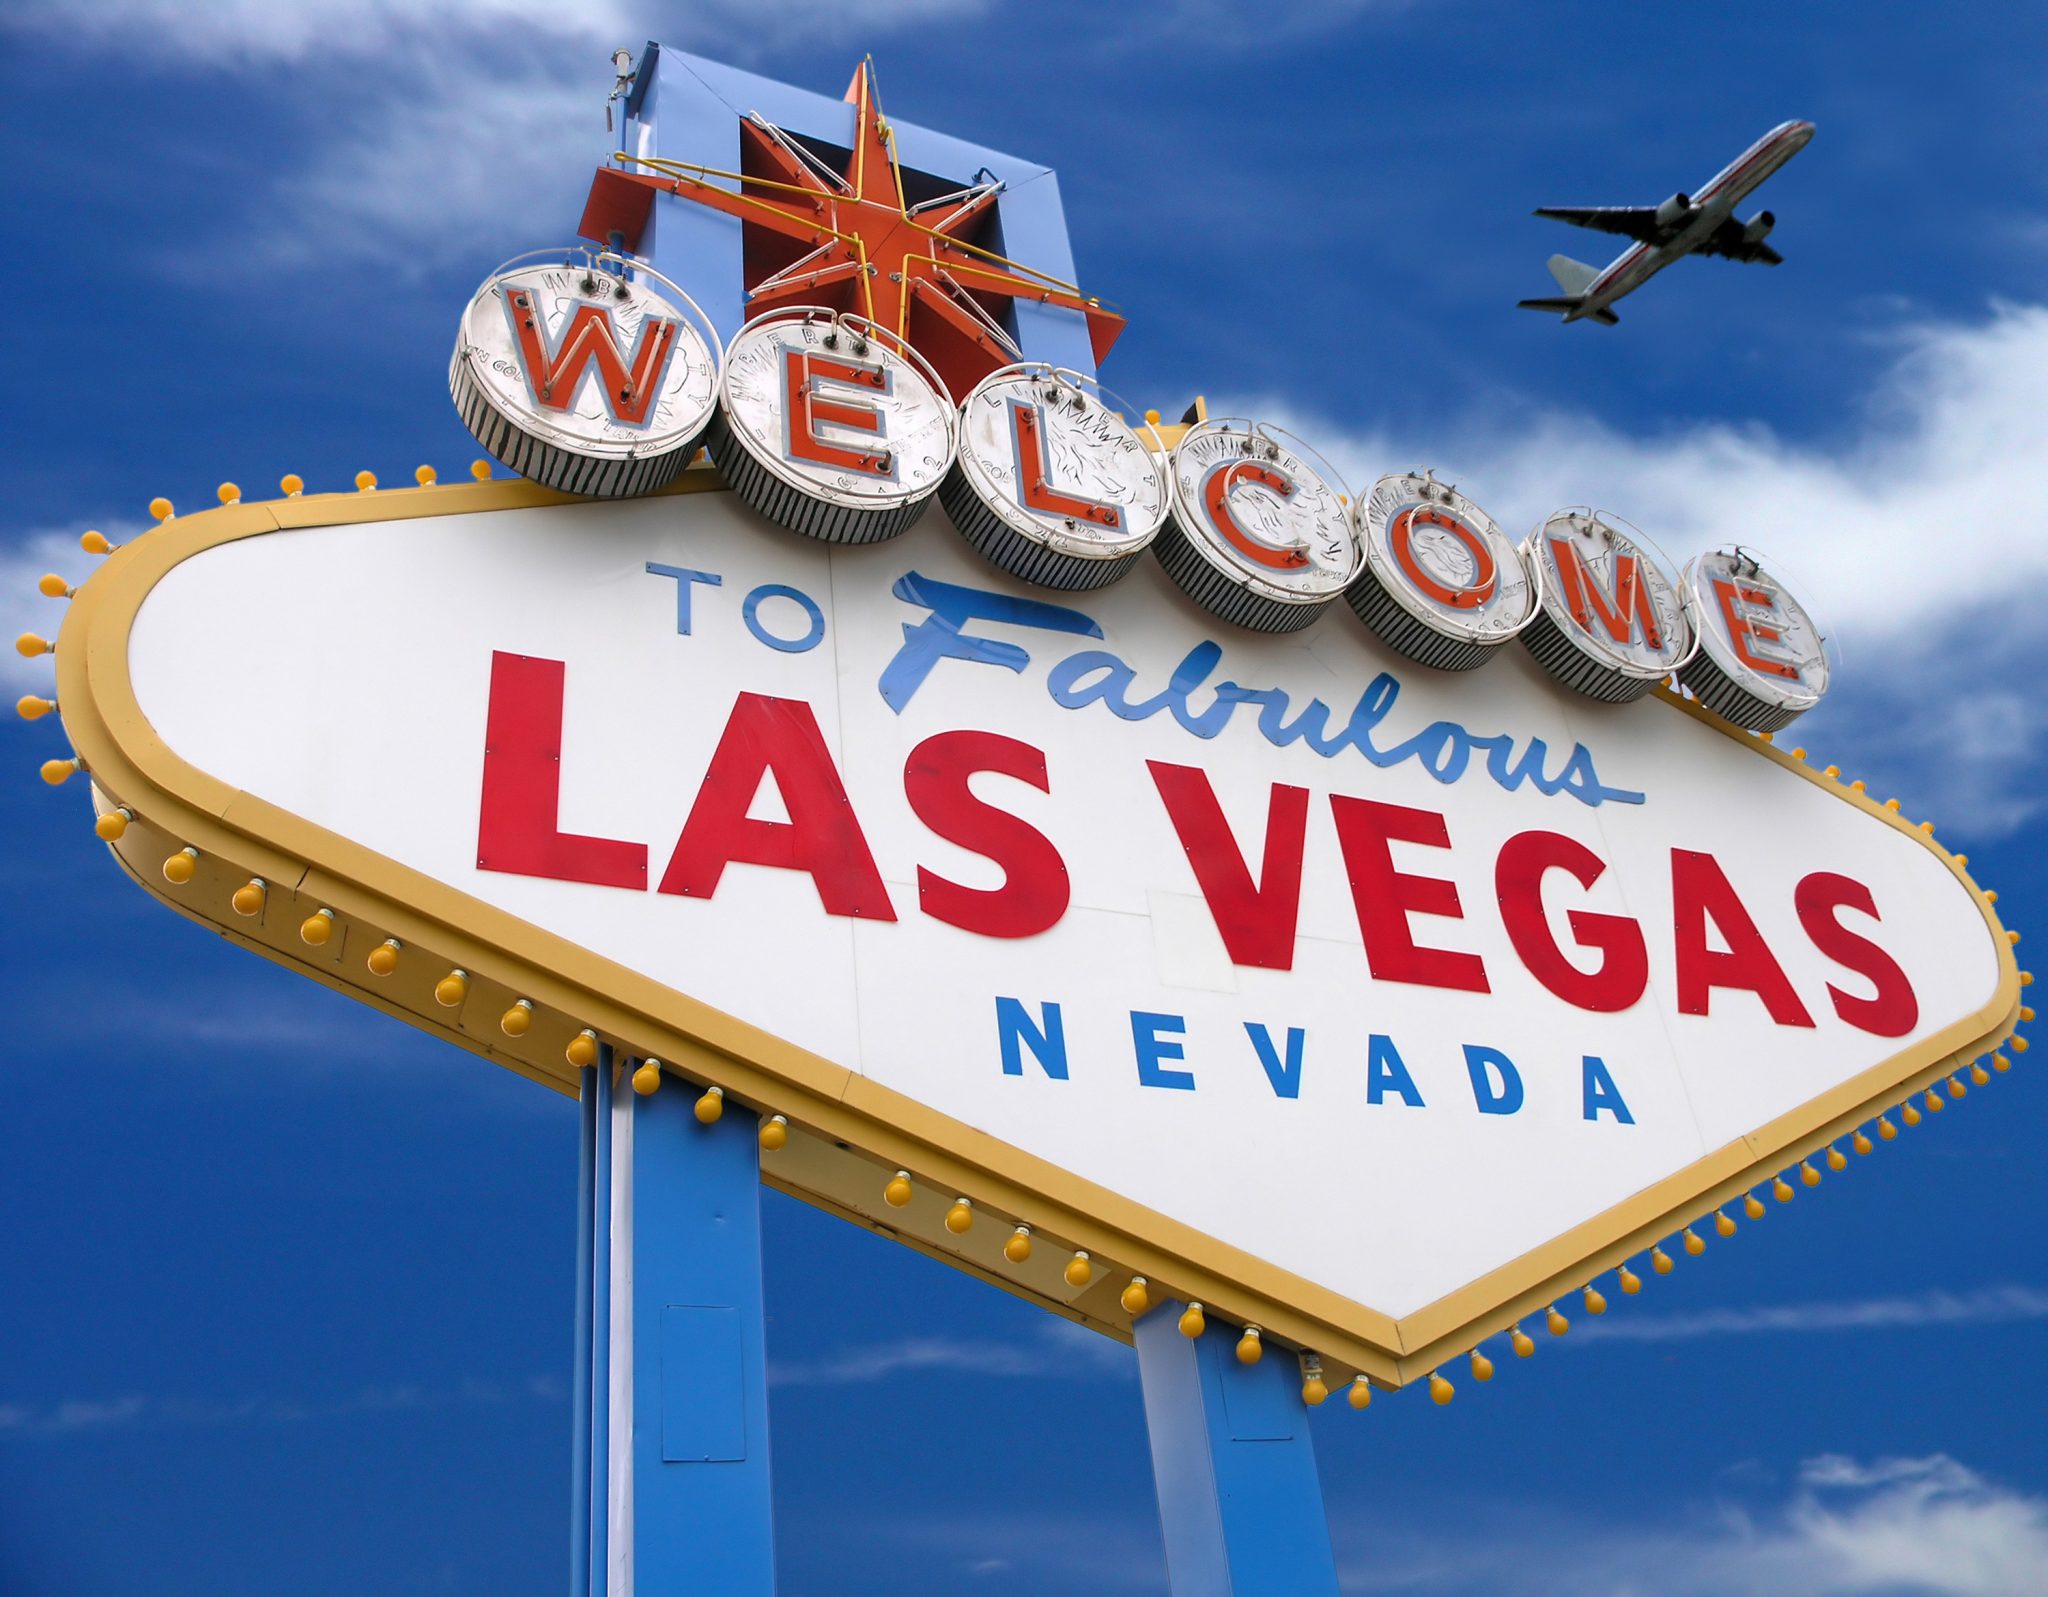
1372, 1005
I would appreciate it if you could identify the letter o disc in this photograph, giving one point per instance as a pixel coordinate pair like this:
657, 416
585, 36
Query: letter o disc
1442, 583
828, 429
1254, 534
583, 380
1051, 485
1599, 585
1761, 662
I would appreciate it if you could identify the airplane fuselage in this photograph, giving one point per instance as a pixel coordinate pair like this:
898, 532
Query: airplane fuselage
1712, 206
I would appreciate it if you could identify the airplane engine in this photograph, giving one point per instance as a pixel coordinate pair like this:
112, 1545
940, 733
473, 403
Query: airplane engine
1674, 210
1758, 227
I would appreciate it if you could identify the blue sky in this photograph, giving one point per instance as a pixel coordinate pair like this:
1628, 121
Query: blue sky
286, 1296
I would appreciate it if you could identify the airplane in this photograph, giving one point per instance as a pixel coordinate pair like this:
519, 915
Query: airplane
1702, 223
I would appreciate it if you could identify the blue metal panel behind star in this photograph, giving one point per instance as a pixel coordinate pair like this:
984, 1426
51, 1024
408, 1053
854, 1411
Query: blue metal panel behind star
685, 108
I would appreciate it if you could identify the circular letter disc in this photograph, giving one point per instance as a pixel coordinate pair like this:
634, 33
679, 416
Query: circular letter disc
1051, 485
1442, 583
583, 380
1762, 662
1611, 622
1255, 535
829, 430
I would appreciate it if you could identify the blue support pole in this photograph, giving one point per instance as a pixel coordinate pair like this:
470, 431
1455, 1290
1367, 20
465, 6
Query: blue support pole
703, 1516
1239, 1499
602, 1208
579, 1386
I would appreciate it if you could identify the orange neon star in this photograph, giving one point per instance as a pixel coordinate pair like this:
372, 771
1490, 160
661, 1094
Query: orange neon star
850, 240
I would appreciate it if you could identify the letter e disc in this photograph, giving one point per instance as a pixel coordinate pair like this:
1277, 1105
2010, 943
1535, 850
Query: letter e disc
1762, 662
582, 380
1051, 485
830, 427
1611, 623
1254, 534
1442, 583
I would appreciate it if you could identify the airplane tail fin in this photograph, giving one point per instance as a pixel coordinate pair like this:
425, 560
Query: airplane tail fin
1565, 306
1574, 277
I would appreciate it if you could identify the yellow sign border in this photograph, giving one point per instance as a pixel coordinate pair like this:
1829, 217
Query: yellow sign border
848, 1134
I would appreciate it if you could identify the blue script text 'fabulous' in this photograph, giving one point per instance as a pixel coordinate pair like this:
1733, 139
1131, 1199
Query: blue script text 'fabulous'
1444, 749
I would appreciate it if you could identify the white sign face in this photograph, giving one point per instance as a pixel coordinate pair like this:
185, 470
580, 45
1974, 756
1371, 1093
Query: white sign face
840, 416
588, 361
1383, 977
1756, 633
1262, 516
1058, 467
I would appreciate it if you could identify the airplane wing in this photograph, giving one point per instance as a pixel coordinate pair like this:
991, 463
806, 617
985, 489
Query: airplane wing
1731, 243
1632, 221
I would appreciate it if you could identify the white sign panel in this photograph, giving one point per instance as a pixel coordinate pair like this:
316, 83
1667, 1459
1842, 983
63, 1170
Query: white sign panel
1382, 976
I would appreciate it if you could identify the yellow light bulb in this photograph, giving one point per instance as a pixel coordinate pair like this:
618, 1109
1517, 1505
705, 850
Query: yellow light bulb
1891, 804
1151, 418
1440, 1390
1955, 1087
52, 586
112, 826
1360, 1395
1927, 827
2026, 978
1482, 1366
1193, 1322
2000, 1063
582, 1049
248, 898
31, 708
647, 1078
292, 484
1017, 1247
179, 867
228, 493
365, 481
1556, 1324
425, 476
1521, 1341
481, 470
2012, 937
2018, 1045
2026, 1013
29, 645
1886, 1131
1860, 1143
1781, 1189
1631, 1283
710, 1106
1933, 1102
160, 508
1962, 861
1137, 1299
451, 989
317, 927
1314, 1389
1724, 1225
897, 1193
1832, 771
1808, 1176
1838, 1161
58, 772
1660, 1261
1753, 1206
1079, 1271
383, 958
1695, 1244
1909, 1114
518, 1020
960, 1218
1978, 1074
95, 543
774, 1133
1251, 1347
1596, 1300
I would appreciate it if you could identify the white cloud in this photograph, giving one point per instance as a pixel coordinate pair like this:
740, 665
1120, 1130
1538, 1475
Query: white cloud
23, 608
1894, 1527
1919, 540
2000, 1305
1060, 1349
81, 1416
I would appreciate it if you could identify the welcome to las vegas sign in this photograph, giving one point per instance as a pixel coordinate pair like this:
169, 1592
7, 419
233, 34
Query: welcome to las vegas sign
1101, 853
